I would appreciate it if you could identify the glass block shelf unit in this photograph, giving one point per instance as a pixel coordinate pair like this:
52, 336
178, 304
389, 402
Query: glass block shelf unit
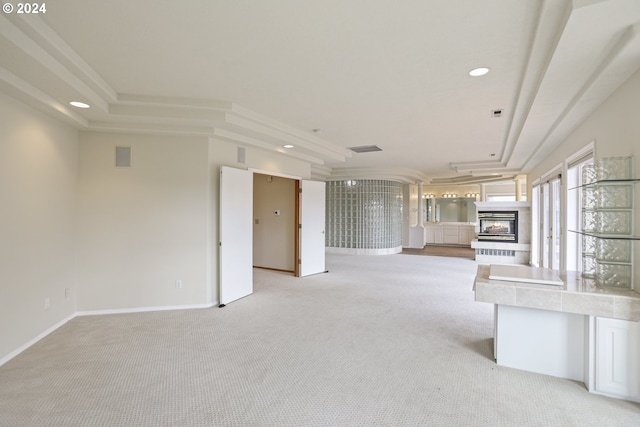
607, 222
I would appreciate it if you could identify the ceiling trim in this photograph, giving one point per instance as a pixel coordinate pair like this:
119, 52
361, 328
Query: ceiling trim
30, 94
147, 114
549, 29
247, 140
409, 176
50, 41
38, 53
569, 119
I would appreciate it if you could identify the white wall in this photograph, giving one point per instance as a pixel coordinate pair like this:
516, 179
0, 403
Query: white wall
38, 168
274, 235
144, 227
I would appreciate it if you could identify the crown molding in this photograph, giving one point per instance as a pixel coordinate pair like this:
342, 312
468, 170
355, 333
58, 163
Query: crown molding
127, 112
404, 175
29, 94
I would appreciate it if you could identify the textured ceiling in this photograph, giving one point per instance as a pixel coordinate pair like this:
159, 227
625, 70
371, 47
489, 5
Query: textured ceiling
364, 72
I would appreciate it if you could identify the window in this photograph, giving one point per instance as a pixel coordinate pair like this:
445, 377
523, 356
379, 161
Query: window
535, 226
546, 232
574, 207
552, 245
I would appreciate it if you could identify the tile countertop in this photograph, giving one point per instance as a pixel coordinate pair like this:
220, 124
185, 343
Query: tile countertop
577, 295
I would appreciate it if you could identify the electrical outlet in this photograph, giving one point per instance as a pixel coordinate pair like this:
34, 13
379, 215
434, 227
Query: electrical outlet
67, 293
47, 303
178, 284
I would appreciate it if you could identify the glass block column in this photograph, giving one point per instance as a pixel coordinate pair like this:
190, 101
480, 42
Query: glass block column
364, 215
607, 222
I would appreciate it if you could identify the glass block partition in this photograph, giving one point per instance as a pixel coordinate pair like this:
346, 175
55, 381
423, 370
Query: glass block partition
607, 222
364, 214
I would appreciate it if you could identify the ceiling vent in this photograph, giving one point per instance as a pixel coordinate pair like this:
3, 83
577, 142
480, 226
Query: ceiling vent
496, 114
365, 148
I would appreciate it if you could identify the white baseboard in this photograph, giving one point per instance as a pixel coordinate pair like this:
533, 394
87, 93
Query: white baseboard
31, 342
144, 309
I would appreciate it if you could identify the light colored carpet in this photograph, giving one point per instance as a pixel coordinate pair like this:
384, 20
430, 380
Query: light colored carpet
392, 340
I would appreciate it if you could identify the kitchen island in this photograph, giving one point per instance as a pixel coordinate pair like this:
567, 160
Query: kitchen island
571, 329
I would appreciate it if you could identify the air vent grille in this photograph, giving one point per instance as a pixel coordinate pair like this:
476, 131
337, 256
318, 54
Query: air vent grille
123, 157
365, 148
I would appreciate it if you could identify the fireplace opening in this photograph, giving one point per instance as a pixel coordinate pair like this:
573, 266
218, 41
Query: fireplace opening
498, 226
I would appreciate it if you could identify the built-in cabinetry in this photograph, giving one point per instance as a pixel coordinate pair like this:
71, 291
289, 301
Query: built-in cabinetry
616, 358
449, 233
578, 330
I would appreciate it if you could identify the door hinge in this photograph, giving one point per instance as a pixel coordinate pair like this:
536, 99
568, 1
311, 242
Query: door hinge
300, 226
299, 261
299, 190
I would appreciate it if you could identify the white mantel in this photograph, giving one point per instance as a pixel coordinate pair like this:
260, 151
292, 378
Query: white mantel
503, 205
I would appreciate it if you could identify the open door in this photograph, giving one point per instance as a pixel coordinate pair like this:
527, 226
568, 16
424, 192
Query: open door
236, 234
312, 235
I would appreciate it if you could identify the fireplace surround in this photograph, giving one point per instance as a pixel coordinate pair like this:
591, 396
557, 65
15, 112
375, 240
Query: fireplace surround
498, 226
502, 251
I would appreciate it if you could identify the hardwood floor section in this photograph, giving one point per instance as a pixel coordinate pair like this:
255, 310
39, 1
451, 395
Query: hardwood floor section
446, 251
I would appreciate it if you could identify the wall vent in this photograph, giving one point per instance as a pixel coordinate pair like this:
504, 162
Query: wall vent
123, 157
365, 148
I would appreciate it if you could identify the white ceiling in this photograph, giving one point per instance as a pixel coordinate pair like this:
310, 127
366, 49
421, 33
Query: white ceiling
391, 73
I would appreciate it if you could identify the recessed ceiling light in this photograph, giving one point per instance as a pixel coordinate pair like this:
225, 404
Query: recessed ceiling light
477, 72
79, 104
288, 146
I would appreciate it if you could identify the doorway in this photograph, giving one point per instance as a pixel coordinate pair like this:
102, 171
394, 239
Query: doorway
236, 230
274, 222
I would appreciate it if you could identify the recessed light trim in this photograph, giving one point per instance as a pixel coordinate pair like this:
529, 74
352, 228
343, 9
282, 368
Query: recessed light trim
79, 104
288, 146
477, 72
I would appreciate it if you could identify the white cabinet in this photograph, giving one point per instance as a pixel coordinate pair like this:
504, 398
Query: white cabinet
429, 234
449, 234
438, 235
465, 235
616, 358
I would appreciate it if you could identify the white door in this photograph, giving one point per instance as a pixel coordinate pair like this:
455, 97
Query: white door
312, 236
236, 234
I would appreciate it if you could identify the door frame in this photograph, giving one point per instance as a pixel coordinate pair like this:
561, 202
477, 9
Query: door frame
296, 224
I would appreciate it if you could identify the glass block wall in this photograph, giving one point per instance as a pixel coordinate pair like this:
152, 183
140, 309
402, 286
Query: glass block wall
364, 214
